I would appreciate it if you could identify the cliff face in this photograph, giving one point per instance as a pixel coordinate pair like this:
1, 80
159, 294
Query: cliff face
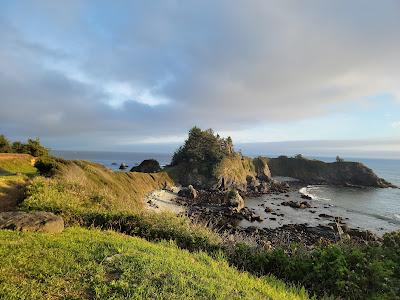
233, 171
318, 172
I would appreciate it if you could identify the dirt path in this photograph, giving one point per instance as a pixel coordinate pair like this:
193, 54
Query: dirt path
12, 190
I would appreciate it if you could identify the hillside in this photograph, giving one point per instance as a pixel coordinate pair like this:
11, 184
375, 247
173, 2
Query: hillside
318, 172
85, 186
90, 264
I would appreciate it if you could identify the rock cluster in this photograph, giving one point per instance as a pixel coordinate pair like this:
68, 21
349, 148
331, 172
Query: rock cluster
234, 200
188, 192
296, 204
33, 221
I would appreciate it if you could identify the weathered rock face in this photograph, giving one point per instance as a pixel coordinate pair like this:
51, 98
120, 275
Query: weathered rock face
235, 200
147, 166
33, 221
232, 172
261, 167
318, 172
188, 192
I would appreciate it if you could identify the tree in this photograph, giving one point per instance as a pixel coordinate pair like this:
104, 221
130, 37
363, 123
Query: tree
34, 148
18, 147
5, 146
299, 156
339, 159
203, 146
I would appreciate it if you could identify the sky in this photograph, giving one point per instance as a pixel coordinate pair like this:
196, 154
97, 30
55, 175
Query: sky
312, 77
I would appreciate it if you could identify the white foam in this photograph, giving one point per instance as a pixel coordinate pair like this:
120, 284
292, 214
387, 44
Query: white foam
307, 191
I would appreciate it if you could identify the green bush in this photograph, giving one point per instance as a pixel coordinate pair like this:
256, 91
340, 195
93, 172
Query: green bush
342, 270
47, 165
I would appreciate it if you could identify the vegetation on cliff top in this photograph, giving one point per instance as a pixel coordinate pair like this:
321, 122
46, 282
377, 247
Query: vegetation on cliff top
203, 146
32, 147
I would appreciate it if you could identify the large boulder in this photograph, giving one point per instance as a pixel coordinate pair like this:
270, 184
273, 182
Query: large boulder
33, 221
188, 192
147, 166
235, 200
261, 167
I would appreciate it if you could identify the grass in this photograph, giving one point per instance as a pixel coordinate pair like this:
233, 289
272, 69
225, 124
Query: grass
12, 164
81, 186
93, 264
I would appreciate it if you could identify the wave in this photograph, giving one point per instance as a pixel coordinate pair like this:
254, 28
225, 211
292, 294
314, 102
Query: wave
307, 191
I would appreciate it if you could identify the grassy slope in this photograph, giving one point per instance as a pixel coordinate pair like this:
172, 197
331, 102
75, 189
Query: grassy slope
85, 186
11, 164
76, 264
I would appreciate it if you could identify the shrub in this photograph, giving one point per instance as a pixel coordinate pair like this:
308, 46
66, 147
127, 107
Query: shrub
47, 166
34, 148
5, 146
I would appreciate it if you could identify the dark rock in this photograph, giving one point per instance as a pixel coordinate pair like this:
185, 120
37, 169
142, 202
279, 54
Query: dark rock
235, 200
33, 221
147, 166
188, 192
294, 204
306, 197
268, 209
123, 166
325, 216
257, 218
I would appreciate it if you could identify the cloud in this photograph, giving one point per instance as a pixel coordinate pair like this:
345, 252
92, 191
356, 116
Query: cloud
396, 124
142, 70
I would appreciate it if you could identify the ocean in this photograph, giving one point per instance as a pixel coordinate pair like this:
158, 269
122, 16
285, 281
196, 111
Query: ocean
367, 208
373, 205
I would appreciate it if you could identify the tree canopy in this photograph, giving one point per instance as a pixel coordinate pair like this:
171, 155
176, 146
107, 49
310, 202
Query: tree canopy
203, 145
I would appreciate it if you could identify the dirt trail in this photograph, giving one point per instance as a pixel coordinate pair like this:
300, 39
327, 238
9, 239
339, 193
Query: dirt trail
12, 190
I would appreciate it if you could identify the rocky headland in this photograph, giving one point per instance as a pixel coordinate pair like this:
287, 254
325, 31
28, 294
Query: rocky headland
216, 182
342, 173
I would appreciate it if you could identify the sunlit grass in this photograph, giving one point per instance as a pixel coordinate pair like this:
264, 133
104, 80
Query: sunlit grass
87, 264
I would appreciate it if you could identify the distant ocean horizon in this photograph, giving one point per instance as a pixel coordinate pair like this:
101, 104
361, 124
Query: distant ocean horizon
371, 208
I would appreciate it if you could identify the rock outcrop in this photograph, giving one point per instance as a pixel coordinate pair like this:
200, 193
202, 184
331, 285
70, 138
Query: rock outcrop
232, 172
33, 221
188, 192
235, 200
123, 166
318, 172
147, 166
209, 162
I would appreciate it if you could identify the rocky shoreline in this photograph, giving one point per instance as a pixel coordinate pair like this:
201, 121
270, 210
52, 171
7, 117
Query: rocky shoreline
212, 209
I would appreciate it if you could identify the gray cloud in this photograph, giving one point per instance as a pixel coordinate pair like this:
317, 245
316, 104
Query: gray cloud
227, 65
